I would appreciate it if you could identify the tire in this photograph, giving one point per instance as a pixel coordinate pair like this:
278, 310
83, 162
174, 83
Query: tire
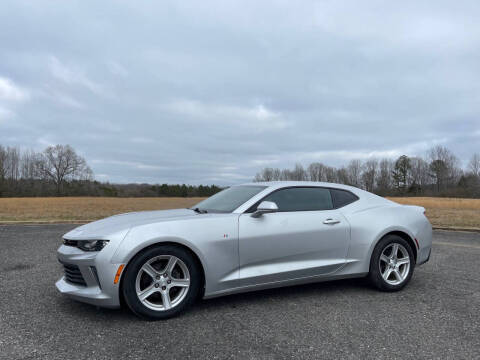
168, 279
389, 272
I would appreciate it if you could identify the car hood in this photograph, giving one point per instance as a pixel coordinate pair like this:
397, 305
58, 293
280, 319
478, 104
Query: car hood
121, 223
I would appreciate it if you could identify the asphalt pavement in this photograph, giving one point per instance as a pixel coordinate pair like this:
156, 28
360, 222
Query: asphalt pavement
436, 316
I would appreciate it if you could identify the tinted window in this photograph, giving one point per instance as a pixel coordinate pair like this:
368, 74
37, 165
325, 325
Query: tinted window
301, 199
229, 199
342, 197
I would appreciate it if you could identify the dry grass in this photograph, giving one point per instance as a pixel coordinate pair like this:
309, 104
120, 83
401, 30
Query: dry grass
81, 209
447, 212
442, 212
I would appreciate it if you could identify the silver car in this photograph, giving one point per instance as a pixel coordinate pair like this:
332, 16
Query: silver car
247, 237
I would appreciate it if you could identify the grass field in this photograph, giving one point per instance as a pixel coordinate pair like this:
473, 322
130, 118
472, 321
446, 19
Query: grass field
447, 212
442, 212
61, 209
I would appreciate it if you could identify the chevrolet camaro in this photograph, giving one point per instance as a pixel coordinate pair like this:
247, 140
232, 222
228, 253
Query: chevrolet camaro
245, 238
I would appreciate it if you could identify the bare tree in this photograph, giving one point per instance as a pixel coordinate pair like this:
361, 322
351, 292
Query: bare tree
369, 174
265, 175
342, 176
3, 158
60, 163
330, 174
286, 175
354, 172
474, 165
443, 166
268, 174
418, 174
12, 163
298, 173
29, 165
3, 163
384, 176
316, 172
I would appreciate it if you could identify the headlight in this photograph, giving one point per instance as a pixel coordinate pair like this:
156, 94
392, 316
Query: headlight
92, 245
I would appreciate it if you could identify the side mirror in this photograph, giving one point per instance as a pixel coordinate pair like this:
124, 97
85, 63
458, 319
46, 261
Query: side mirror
265, 207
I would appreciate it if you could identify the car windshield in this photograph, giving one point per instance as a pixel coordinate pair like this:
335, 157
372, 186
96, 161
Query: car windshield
229, 199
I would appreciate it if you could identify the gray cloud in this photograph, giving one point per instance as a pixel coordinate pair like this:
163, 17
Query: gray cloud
211, 92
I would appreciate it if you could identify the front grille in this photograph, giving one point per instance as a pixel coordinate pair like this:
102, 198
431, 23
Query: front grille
73, 274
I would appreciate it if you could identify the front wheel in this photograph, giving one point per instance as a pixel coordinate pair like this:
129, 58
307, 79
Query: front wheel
161, 282
392, 263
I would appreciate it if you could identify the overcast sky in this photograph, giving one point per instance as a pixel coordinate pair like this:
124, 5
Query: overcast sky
211, 92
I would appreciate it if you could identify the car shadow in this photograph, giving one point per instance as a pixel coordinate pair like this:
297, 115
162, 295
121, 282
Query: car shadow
220, 304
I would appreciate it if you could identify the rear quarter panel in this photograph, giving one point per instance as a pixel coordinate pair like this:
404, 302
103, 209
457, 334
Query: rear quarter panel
370, 224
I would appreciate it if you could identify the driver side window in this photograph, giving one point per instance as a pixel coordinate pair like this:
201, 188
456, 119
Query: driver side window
301, 199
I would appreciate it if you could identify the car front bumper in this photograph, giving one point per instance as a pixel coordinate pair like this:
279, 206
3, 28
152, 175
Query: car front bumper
93, 279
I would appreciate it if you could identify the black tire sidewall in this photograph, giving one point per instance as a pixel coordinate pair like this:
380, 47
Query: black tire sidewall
375, 276
128, 282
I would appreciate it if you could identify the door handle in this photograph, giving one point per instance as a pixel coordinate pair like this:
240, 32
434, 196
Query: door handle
331, 221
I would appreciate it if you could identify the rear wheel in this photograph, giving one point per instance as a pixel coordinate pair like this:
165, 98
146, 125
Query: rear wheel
391, 264
161, 282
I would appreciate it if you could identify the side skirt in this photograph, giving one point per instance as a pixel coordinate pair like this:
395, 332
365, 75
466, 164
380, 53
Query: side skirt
278, 284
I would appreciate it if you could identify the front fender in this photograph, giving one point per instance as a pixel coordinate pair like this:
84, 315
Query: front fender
214, 239
130, 247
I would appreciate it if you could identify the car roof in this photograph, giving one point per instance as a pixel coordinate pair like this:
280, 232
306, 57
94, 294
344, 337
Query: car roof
282, 184
371, 198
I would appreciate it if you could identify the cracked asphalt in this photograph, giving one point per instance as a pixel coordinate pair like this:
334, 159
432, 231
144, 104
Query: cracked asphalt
436, 316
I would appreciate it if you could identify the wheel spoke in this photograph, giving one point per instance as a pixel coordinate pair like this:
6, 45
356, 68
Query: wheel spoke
180, 283
171, 264
394, 251
166, 300
150, 270
397, 274
387, 273
403, 261
384, 258
146, 292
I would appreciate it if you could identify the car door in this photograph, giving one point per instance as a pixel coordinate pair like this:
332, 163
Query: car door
306, 237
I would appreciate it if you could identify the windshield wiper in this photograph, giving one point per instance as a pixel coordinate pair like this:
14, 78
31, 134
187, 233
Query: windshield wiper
198, 210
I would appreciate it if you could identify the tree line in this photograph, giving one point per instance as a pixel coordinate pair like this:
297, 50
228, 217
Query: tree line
60, 171
439, 173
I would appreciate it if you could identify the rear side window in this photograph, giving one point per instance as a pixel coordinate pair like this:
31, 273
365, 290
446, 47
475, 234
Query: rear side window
342, 197
301, 199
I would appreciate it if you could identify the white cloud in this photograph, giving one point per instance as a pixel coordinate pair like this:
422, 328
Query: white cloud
117, 69
234, 176
44, 142
10, 95
69, 101
11, 92
5, 114
133, 164
73, 76
265, 161
258, 118
400, 24
141, 140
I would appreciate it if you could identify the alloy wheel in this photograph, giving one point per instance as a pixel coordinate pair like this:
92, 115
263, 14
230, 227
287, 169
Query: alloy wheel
394, 264
162, 282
